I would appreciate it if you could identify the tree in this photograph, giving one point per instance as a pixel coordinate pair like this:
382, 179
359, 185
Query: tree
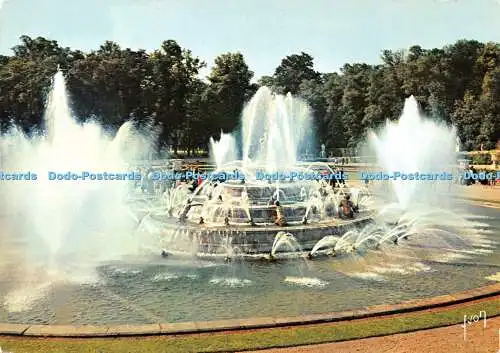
467, 117
25, 80
293, 70
333, 90
173, 77
385, 97
354, 101
194, 135
313, 92
107, 83
267, 81
461, 69
459, 83
228, 90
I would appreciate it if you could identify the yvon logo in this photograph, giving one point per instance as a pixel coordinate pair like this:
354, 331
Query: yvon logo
471, 320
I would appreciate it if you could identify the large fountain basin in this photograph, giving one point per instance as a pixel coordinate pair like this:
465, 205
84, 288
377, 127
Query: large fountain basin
236, 240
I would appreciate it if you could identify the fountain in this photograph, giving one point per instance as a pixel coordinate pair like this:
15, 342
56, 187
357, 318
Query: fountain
274, 130
414, 144
241, 212
60, 226
242, 206
75, 252
223, 150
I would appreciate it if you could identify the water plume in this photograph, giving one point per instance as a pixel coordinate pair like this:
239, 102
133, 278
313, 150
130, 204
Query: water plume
275, 130
64, 226
416, 144
223, 150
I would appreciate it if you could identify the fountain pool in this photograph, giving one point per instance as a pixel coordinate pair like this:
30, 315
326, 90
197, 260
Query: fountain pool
148, 289
89, 253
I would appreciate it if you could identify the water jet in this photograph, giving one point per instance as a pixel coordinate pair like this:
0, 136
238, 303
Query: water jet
143, 288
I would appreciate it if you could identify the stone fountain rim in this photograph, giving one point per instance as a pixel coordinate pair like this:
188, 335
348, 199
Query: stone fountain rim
242, 227
92, 331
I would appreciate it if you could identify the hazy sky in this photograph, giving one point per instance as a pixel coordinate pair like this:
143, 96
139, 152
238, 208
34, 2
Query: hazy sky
333, 31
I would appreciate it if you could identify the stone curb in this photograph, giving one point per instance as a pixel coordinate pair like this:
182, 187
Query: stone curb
90, 331
478, 199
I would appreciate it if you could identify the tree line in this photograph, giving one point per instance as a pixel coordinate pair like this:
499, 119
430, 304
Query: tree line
458, 84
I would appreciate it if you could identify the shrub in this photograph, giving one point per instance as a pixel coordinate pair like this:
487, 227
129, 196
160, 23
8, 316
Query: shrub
481, 159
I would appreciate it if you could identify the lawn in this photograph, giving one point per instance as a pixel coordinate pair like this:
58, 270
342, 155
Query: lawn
279, 337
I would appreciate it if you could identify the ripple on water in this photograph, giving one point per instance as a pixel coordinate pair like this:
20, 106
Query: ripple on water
230, 281
167, 276
486, 243
125, 271
369, 276
306, 281
25, 298
420, 267
160, 277
494, 277
401, 269
450, 257
475, 251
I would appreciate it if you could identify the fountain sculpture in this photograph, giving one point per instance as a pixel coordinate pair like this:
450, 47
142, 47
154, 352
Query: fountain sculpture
60, 235
239, 212
237, 216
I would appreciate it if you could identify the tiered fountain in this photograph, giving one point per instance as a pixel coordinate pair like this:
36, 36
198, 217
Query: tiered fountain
59, 237
237, 216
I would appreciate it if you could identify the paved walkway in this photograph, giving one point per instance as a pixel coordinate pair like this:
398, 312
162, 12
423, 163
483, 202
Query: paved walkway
480, 192
440, 340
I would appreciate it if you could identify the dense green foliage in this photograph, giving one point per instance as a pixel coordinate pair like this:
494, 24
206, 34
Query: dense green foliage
481, 159
458, 84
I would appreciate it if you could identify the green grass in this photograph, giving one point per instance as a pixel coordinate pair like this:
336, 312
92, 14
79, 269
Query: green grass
280, 337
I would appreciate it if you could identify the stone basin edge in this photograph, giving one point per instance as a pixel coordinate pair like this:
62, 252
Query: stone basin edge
123, 330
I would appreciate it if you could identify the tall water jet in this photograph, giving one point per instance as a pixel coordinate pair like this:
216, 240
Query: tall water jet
274, 129
69, 223
59, 124
267, 191
224, 150
412, 145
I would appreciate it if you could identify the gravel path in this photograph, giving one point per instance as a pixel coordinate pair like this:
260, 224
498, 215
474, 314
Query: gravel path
440, 340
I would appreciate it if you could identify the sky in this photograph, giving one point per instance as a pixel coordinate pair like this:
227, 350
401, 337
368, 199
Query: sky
265, 31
